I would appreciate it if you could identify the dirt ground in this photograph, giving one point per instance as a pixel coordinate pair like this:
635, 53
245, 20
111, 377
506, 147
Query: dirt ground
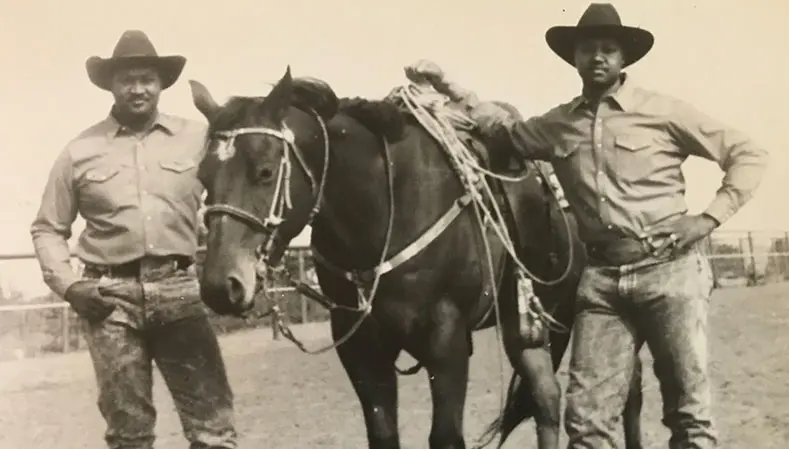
287, 399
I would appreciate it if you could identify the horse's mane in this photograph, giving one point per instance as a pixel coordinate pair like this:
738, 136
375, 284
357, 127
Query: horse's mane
381, 117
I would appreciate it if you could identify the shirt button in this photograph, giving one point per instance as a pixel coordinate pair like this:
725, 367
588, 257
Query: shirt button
603, 200
150, 246
610, 227
148, 218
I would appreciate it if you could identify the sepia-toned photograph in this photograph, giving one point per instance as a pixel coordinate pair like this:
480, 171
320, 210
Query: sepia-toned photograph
394, 224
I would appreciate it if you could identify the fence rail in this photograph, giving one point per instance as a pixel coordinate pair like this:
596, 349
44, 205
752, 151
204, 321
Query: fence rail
737, 258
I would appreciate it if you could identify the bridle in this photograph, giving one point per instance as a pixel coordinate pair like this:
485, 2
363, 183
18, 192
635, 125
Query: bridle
281, 201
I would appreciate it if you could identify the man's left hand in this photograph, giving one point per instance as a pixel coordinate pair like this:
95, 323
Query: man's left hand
682, 233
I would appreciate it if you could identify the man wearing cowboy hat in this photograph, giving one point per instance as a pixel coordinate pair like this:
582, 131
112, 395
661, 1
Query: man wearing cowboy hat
132, 176
617, 150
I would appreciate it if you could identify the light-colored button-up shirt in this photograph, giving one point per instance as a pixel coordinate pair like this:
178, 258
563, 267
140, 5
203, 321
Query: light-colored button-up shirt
139, 196
619, 165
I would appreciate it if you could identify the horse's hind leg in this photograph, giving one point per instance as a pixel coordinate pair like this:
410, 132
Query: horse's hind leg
631, 418
447, 363
536, 367
369, 362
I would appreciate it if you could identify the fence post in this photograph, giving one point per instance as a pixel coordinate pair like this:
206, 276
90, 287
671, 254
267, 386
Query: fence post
23, 332
77, 331
752, 257
65, 328
784, 261
302, 299
274, 327
711, 260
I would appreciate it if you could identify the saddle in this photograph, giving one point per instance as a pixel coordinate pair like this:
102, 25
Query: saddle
503, 162
483, 169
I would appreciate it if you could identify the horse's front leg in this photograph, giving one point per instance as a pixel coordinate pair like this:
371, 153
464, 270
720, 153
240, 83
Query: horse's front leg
369, 361
447, 364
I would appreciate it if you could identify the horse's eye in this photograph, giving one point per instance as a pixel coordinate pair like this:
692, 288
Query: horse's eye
265, 174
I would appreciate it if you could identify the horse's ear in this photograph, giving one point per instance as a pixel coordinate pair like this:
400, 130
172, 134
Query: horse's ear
316, 94
203, 100
278, 101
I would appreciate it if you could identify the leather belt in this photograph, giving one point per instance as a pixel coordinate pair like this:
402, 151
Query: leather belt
617, 252
139, 267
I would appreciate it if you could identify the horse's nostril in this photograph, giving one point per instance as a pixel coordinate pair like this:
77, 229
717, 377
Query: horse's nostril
235, 290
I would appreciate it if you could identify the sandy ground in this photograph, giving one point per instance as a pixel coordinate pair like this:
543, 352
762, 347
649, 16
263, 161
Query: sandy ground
287, 399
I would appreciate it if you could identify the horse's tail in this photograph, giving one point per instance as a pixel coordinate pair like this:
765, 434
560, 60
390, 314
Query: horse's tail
518, 407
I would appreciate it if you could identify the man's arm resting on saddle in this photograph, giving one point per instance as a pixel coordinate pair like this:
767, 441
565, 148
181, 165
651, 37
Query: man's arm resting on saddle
51, 227
528, 138
742, 160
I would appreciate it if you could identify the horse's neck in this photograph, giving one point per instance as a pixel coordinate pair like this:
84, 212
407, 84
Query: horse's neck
355, 216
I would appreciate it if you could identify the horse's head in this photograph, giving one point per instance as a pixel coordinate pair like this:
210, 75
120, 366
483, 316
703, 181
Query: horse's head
263, 173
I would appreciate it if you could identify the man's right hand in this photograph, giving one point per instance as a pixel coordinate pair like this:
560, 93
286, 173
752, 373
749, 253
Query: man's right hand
87, 302
487, 114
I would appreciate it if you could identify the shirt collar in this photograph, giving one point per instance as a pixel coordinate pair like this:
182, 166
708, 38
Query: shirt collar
623, 96
162, 122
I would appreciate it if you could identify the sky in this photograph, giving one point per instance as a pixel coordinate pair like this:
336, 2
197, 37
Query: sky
716, 54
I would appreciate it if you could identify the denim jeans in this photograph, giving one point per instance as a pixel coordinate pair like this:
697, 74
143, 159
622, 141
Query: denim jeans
159, 318
663, 304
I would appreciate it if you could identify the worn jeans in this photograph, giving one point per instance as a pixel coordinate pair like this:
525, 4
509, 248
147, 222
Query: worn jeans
664, 304
159, 317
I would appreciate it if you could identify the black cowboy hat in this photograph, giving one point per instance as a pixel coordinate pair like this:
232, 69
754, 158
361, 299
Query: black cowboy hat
134, 47
600, 20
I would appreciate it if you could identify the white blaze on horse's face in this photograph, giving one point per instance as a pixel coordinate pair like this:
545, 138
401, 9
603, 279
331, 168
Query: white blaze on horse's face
225, 150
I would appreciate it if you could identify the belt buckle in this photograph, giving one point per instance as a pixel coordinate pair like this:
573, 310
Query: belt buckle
150, 265
653, 244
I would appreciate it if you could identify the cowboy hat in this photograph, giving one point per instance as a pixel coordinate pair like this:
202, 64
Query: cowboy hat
600, 20
134, 47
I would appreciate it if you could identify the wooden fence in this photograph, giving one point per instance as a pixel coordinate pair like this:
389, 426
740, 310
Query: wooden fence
27, 329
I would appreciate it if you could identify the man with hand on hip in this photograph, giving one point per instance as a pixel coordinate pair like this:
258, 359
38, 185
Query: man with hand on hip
617, 150
133, 177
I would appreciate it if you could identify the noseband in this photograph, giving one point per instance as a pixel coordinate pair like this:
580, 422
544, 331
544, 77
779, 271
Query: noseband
281, 201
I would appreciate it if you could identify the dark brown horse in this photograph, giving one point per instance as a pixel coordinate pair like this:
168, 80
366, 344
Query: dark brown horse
400, 254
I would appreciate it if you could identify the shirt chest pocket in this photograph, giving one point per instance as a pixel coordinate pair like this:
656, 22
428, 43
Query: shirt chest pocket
568, 159
102, 188
178, 178
632, 157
